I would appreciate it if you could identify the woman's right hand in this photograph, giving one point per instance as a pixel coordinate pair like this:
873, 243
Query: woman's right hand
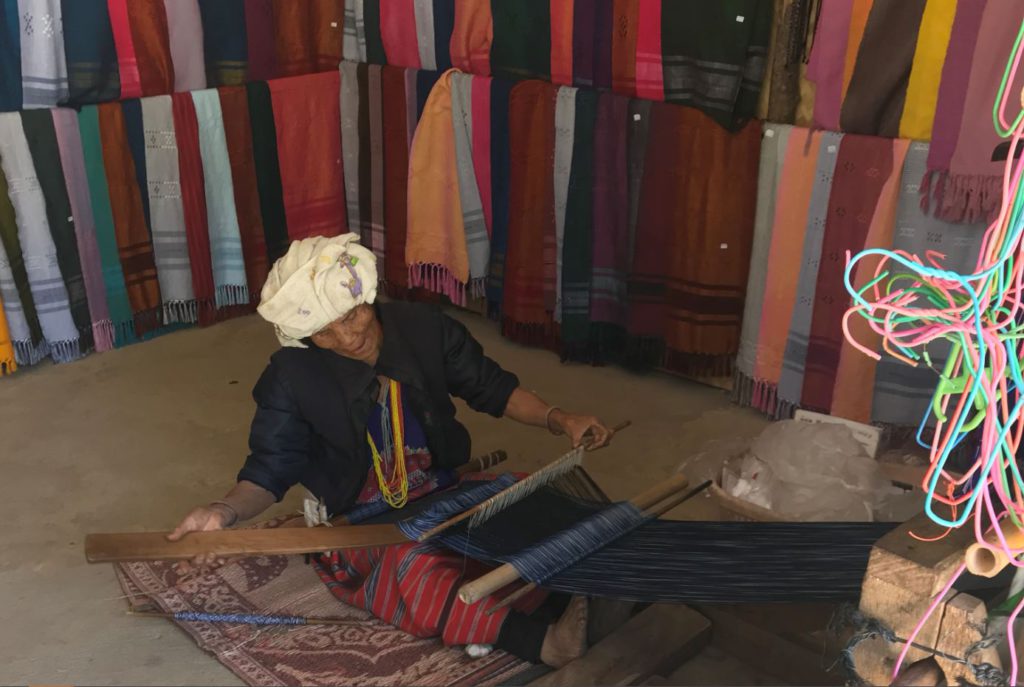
202, 519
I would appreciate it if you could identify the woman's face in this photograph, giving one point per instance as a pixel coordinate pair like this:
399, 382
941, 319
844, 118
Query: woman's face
357, 335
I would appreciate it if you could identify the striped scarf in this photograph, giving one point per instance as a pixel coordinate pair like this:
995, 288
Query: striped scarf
44, 71
225, 238
22, 319
478, 248
91, 54
10, 56
49, 295
565, 121
224, 42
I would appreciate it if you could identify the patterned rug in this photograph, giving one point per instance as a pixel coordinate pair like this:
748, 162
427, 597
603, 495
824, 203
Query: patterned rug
361, 651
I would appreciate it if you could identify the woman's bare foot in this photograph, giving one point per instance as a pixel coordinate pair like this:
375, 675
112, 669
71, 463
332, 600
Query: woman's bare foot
566, 639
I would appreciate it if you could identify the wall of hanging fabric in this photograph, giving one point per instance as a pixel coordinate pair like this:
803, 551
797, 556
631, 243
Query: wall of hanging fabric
925, 70
599, 226
822, 196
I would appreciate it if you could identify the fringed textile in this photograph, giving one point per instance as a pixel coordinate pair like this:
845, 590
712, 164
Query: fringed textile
91, 54
118, 302
133, 241
306, 110
526, 317
22, 319
44, 69
41, 137
238, 129
193, 198
152, 43
874, 101
225, 42
185, 33
222, 219
855, 372
268, 170
478, 248
49, 295
167, 211
72, 156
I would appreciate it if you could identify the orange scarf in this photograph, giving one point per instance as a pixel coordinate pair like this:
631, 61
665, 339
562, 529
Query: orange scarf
152, 42
627, 19
858, 22
470, 45
307, 35
7, 362
561, 43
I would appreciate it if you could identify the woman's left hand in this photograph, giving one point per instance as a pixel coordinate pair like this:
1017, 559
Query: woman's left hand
582, 430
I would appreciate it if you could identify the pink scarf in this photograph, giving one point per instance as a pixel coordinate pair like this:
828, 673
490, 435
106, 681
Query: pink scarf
482, 143
127, 63
650, 82
185, 30
398, 33
828, 62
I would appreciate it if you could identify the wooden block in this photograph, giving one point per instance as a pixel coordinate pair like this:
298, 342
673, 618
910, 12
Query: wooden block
921, 568
153, 546
653, 642
963, 624
768, 651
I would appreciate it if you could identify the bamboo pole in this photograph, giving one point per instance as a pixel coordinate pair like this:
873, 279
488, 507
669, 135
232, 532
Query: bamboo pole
989, 559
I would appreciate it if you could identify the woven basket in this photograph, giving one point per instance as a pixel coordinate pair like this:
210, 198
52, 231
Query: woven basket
734, 509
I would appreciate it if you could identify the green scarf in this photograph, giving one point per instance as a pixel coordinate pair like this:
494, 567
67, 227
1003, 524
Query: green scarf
522, 39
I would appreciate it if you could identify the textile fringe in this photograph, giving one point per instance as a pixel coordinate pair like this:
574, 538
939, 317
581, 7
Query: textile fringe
961, 198
478, 287
147, 321
103, 335
760, 395
699, 365
27, 353
439, 279
537, 335
181, 312
124, 333
233, 294
65, 351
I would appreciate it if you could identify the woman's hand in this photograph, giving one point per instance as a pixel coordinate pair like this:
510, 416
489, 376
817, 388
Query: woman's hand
202, 519
582, 430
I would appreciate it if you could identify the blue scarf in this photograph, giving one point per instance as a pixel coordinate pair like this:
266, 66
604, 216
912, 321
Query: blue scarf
93, 75
10, 56
500, 172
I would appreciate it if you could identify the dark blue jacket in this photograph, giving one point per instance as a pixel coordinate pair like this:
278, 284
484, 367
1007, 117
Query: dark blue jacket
313, 404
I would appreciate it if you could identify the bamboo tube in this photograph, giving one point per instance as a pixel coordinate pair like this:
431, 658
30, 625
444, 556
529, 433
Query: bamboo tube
471, 592
989, 559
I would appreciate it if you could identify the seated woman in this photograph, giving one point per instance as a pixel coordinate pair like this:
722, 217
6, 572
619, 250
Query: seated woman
356, 406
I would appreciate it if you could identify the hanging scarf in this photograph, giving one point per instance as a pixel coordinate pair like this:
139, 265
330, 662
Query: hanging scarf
152, 44
827, 62
435, 248
500, 172
604, 26
481, 116
860, 14
225, 42
577, 249
10, 56
167, 211
376, 159
650, 81
8, 365
44, 70
789, 227
774, 143
423, 16
69, 140
855, 376
184, 29
127, 61
350, 146
193, 200
786, 58
583, 31
326, 26
478, 248
714, 56
639, 129
805, 104
306, 108
22, 318
973, 187
374, 44
398, 32
624, 40
91, 53
878, 88
956, 70
562, 30
133, 240
234, 105
350, 40
687, 287
565, 122
118, 302
135, 131
222, 219
49, 294
611, 212
522, 39
261, 55
444, 25
308, 35
526, 316
396, 179
864, 165
41, 137
472, 36
268, 171
902, 394
929, 55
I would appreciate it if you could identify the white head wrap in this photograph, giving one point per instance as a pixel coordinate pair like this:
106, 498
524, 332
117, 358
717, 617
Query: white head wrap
317, 282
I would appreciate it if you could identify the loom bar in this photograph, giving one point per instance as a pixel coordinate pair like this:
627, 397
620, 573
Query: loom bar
506, 574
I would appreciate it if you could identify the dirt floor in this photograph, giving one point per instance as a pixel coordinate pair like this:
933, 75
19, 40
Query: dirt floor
131, 439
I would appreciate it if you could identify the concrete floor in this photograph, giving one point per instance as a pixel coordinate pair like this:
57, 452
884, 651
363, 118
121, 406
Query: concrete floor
131, 439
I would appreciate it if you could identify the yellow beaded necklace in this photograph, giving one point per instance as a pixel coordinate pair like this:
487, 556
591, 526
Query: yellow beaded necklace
396, 489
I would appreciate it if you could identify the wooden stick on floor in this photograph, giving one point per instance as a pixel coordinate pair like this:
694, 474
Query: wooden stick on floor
471, 592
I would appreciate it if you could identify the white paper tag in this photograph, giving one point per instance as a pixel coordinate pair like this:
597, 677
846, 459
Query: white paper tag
71, 219
740, 18
724, 246
770, 133
334, 24
636, 117
831, 149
